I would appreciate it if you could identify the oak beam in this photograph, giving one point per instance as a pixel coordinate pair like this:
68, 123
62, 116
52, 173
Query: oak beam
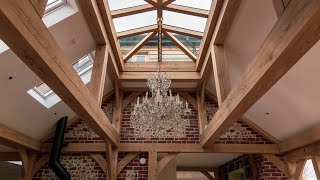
40, 6
73, 119
154, 66
316, 164
219, 33
278, 163
296, 31
126, 160
221, 73
299, 169
181, 46
137, 47
165, 161
117, 111
100, 160
171, 148
28, 161
99, 71
228, 12
167, 2
308, 137
112, 160
175, 76
152, 2
208, 31
104, 9
94, 20
187, 10
201, 104
207, 169
152, 165
12, 138
20, 21
40, 163
97, 28
186, 32
208, 175
304, 152
132, 10
278, 7
137, 31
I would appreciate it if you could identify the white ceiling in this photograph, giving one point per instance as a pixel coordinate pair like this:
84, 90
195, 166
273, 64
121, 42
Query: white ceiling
292, 103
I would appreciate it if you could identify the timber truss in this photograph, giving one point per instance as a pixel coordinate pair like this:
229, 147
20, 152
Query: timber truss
295, 32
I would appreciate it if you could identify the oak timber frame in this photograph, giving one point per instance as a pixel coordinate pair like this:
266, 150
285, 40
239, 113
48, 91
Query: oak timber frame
233, 102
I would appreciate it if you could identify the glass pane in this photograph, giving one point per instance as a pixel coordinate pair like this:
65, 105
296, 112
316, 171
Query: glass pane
190, 42
53, 4
141, 59
308, 171
203, 4
81, 66
126, 44
149, 51
170, 52
135, 21
43, 88
82, 63
184, 21
121, 4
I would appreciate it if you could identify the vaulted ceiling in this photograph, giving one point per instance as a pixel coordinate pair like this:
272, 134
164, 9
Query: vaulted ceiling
289, 108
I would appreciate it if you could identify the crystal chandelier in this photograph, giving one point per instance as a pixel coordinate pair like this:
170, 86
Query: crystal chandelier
161, 114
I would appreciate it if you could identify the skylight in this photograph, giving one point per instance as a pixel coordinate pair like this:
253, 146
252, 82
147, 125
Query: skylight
44, 94
135, 21
184, 21
81, 66
174, 18
54, 4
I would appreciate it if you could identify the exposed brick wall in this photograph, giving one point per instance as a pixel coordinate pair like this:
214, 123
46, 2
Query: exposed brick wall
267, 170
250, 136
239, 133
79, 165
134, 165
127, 131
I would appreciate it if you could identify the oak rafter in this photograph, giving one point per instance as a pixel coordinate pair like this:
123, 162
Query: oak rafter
132, 10
50, 63
279, 52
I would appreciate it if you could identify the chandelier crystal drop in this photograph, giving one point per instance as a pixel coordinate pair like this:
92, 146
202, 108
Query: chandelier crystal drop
161, 114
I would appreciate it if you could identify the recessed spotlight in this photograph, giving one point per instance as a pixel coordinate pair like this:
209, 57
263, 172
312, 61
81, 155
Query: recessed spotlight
10, 77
